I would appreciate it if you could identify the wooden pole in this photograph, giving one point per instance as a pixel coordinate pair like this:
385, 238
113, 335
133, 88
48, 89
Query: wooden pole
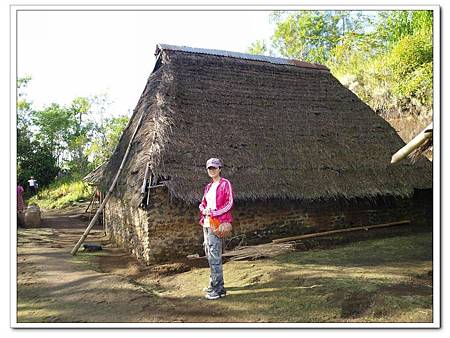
108, 195
92, 199
413, 144
325, 233
144, 183
103, 214
148, 193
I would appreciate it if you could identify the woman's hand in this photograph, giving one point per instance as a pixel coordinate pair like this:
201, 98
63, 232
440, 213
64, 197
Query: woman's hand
207, 212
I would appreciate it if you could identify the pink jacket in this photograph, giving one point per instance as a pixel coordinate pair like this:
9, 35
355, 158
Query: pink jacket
224, 202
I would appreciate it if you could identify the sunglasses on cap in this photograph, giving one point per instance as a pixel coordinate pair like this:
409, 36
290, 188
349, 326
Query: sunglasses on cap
212, 168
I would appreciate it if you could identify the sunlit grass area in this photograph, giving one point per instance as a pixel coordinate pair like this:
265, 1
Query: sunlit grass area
380, 280
62, 193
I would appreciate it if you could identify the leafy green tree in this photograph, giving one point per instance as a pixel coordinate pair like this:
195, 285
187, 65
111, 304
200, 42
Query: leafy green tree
23, 105
68, 131
75, 137
392, 26
104, 143
394, 73
54, 124
33, 159
258, 47
313, 35
80, 134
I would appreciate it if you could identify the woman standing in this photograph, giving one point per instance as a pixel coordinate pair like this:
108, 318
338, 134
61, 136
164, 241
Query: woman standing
215, 206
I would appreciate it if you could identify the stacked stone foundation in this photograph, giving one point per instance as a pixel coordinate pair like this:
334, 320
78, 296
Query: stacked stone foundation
169, 229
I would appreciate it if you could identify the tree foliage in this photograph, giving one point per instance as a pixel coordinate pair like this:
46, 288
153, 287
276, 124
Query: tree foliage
23, 105
393, 26
53, 125
259, 47
103, 144
63, 138
394, 76
313, 35
33, 158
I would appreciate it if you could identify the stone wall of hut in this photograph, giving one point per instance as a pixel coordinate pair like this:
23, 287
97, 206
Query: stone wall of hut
169, 229
283, 219
127, 226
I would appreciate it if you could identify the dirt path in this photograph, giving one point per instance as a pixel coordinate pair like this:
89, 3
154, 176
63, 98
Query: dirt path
107, 286
54, 286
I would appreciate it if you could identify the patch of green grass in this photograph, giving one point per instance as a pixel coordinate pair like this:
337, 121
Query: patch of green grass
371, 252
62, 193
379, 280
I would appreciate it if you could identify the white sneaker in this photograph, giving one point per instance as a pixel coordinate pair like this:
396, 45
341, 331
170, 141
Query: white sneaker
212, 295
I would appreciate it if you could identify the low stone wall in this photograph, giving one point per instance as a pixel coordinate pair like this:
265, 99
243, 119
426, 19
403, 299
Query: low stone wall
263, 222
169, 229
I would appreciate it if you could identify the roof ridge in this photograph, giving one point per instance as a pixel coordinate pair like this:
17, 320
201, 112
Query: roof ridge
271, 59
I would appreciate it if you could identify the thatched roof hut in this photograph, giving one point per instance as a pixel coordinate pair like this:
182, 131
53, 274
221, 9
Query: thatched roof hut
290, 135
284, 129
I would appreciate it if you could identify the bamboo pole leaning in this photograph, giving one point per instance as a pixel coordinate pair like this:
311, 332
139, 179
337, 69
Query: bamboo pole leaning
415, 143
108, 195
326, 233
92, 200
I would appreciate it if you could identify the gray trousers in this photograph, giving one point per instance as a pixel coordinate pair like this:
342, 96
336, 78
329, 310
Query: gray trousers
213, 250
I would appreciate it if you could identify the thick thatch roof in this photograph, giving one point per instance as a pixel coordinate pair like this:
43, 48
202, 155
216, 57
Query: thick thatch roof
284, 129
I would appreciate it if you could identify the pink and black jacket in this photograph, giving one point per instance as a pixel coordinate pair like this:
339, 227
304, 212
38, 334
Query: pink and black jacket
224, 202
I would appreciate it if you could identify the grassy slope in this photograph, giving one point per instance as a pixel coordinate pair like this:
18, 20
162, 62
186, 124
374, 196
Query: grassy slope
62, 193
382, 280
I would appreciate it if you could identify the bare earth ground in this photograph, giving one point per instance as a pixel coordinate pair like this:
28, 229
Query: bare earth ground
383, 280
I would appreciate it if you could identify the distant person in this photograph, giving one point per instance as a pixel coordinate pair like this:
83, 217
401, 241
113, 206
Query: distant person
20, 202
61, 174
32, 186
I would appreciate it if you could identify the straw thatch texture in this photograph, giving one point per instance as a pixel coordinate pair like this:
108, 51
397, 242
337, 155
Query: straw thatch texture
95, 176
283, 131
